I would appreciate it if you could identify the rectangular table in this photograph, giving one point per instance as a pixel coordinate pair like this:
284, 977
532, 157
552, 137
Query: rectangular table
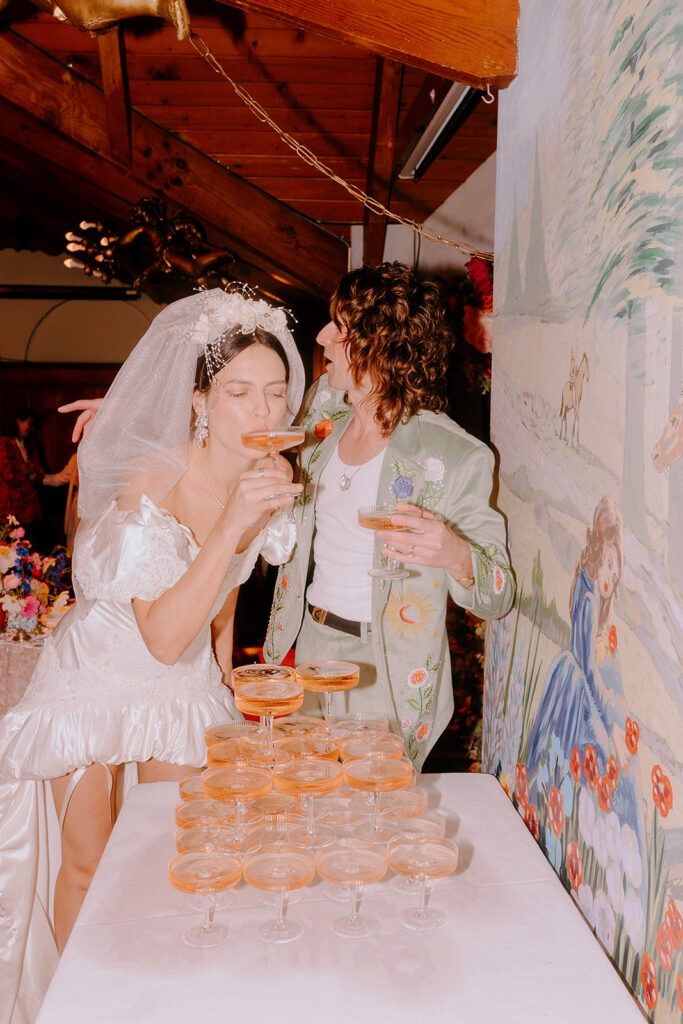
515, 950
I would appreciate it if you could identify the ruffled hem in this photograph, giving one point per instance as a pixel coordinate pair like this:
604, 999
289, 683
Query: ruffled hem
50, 742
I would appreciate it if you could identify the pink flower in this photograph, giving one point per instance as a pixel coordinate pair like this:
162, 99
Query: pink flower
18, 533
11, 581
30, 606
417, 678
405, 724
36, 561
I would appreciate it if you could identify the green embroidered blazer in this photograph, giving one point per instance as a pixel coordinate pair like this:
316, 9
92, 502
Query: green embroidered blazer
431, 462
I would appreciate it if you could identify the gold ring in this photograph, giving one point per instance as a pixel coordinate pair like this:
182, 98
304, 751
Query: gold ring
261, 472
411, 551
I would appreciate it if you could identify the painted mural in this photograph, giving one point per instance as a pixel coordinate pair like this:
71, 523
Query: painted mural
583, 715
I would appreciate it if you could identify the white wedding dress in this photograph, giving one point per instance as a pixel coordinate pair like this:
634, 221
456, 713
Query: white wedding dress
98, 695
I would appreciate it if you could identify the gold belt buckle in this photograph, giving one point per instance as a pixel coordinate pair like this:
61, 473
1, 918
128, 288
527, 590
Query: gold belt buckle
318, 615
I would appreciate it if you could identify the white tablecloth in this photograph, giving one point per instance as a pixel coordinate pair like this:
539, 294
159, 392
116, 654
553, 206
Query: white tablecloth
515, 949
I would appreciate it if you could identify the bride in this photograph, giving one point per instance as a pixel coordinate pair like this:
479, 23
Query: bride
174, 512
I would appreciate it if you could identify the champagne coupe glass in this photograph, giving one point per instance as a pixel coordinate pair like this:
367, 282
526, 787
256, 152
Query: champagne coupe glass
368, 744
378, 775
299, 725
237, 784
310, 745
273, 441
191, 787
202, 812
307, 778
361, 721
423, 858
352, 864
428, 825
266, 691
328, 677
205, 873
280, 869
207, 838
379, 517
404, 803
228, 731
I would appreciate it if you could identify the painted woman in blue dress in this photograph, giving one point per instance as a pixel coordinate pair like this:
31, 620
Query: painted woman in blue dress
583, 705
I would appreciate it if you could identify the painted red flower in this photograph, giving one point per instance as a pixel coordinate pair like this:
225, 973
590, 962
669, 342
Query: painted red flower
323, 429
664, 948
574, 866
662, 794
531, 819
555, 811
590, 766
648, 978
575, 764
674, 924
632, 735
521, 785
612, 773
612, 638
604, 793
679, 992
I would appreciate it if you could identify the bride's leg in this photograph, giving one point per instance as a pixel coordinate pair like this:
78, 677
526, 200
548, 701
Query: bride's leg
86, 815
162, 771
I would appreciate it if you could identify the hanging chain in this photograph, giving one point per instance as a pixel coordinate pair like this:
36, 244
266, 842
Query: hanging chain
310, 158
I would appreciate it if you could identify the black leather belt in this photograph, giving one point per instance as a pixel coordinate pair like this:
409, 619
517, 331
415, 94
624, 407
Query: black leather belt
326, 618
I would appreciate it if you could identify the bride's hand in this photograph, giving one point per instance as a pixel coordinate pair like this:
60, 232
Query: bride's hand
88, 408
260, 492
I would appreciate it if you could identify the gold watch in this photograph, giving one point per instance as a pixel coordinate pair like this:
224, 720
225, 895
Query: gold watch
466, 581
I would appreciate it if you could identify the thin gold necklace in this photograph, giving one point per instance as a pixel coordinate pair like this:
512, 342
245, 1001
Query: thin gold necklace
218, 501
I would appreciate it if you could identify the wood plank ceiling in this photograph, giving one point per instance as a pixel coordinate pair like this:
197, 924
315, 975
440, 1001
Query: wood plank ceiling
321, 90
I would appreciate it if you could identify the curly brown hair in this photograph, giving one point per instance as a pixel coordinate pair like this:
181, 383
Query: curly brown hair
397, 335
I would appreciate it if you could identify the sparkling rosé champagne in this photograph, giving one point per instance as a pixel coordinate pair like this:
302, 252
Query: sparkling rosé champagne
423, 858
328, 677
279, 869
266, 441
205, 873
351, 865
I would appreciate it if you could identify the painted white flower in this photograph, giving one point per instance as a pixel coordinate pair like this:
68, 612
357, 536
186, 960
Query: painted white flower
615, 886
7, 559
586, 816
604, 921
600, 842
585, 895
434, 469
613, 830
323, 396
630, 856
10, 603
634, 919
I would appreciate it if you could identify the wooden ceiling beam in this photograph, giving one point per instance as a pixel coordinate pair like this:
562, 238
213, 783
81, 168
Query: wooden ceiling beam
381, 156
116, 94
465, 40
264, 231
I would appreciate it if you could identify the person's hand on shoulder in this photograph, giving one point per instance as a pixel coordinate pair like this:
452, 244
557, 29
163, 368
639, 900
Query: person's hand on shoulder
88, 409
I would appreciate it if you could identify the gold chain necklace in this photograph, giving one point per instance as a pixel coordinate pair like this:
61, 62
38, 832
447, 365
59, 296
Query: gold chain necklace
218, 501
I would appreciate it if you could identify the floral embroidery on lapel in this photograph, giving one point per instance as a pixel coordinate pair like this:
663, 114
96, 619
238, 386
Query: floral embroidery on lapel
275, 625
402, 484
490, 563
322, 421
420, 703
432, 491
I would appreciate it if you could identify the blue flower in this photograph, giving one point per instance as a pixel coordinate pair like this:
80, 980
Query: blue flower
402, 487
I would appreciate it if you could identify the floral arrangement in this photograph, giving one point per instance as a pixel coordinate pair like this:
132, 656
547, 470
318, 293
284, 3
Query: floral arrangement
33, 588
470, 302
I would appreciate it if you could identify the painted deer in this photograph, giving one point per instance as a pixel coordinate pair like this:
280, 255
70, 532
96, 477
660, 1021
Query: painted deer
670, 445
96, 15
571, 398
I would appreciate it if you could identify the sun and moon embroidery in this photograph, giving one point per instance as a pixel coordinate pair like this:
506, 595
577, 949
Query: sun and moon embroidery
408, 612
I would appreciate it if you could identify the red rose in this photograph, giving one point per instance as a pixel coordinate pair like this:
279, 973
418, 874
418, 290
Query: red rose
664, 948
555, 811
604, 794
674, 924
521, 785
323, 429
632, 735
574, 866
575, 764
662, 794
531, 819
590, 766
612, 773
648, 978
612, 638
